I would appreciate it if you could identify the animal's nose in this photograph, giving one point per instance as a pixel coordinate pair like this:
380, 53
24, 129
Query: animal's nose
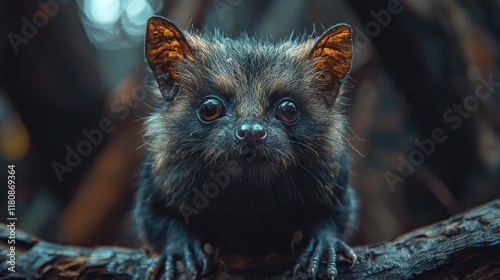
252, 134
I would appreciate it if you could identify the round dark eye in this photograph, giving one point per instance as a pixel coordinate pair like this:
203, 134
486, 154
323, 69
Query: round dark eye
287, 112
210, 110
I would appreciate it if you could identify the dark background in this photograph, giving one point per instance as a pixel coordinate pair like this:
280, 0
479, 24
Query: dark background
81, 63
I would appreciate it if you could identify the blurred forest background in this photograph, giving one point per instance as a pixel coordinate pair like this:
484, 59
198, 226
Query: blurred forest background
420, 67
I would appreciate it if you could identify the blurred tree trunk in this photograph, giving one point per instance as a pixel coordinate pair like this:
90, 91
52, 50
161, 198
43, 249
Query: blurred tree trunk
423, 55
54, 82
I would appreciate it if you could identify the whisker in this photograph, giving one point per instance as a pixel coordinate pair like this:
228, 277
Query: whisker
355, 135
141, 146
304, 145
352, 146
295, 188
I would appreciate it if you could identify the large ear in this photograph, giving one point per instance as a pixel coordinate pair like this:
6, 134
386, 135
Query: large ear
164, 45
332, 53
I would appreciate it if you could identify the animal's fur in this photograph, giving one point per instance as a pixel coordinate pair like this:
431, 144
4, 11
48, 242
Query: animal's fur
298, 179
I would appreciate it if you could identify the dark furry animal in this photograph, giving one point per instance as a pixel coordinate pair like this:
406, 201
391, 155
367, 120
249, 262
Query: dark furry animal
248, 147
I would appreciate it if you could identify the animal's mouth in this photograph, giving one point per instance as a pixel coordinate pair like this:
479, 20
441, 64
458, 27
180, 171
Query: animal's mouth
254, 155
251, 157
249, 153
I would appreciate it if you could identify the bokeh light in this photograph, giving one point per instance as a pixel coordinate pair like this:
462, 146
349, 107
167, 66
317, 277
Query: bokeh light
117, 24
103, 12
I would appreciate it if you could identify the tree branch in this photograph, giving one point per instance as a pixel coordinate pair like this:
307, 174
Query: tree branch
464, 246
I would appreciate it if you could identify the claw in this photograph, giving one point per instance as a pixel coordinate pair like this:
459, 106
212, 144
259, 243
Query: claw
205, 267
352, 257
312, 274
295, 270
304, 259
346, 251
353, 264
319, 247
222, 266
200, 255
189, 262
170, 268
315, 259
331, 269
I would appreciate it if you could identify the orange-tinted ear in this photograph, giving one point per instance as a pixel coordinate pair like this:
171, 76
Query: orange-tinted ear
164, 45
332, 53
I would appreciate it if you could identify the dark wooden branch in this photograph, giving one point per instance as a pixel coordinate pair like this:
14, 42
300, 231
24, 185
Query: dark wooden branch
464, 246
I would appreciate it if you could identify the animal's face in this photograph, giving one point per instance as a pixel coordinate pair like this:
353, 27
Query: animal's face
267, 106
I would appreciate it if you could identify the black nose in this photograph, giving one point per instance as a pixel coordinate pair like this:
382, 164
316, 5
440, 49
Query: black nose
253, 135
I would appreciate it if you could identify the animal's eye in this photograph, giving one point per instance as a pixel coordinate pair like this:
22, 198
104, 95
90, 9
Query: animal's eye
210, 109
287, 111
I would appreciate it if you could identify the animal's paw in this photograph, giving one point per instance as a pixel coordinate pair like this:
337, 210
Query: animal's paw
192, 257
324, 245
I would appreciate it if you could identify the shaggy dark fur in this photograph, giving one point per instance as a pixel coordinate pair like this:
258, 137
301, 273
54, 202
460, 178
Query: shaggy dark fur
201, 183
